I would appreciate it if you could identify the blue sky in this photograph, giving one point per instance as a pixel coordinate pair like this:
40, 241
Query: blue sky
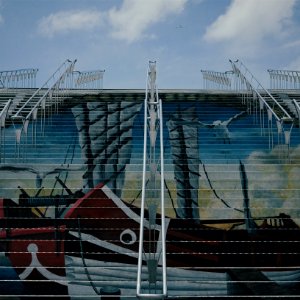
121, 36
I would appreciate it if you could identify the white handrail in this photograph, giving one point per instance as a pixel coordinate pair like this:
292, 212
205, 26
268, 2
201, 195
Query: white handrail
238, 72
3, 116
5, 109
297, 105
69, 64
67, 71
153, 123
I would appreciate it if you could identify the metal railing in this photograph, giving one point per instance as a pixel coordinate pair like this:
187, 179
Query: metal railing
23, 78
3, 117
258, 99
217, 80
88, 79
3, 113
152, 269
46, 99
297, 106
252, 84
284, 79
58, 77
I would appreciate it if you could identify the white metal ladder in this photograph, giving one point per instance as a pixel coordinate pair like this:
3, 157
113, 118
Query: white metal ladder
152, 274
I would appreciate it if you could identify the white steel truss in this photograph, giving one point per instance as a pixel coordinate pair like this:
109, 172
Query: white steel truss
152, 274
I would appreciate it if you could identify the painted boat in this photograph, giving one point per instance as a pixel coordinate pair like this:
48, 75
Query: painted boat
95, 244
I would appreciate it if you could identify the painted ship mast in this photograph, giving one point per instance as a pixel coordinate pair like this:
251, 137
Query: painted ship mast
151, 277
184, 141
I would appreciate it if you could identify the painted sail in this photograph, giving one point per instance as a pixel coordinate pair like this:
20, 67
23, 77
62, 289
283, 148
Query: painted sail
105, 137
184, 141
250, 224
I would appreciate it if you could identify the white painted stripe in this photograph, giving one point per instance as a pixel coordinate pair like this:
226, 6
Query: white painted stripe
91, 239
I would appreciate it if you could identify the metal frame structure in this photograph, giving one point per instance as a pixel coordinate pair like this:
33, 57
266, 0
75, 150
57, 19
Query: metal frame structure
217, 80
23, 78
257, 99
284, 79
152, 251
46, 99
88, 79
3, 117
297, 106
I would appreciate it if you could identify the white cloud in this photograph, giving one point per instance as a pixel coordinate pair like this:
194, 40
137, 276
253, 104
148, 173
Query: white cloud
135, 16
292, 44
66, 21
250, 21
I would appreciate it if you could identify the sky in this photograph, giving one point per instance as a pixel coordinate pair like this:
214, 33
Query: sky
122, 36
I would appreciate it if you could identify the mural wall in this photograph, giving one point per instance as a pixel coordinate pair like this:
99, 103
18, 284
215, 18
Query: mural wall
69, 203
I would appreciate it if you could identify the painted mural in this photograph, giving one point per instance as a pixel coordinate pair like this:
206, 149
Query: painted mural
70, 203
